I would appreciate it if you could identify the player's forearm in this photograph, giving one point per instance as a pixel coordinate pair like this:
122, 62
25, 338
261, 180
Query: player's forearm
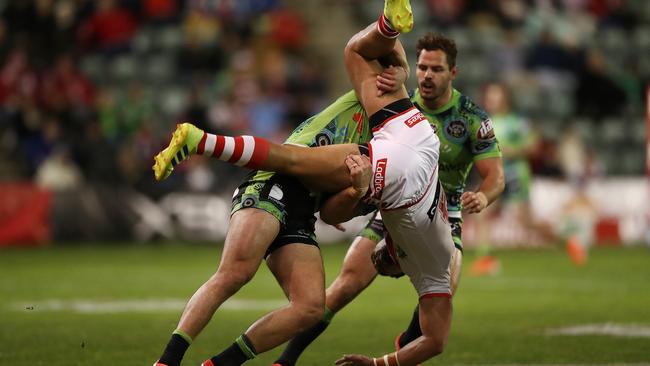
492, 185
493, 180
421, 349
341, 207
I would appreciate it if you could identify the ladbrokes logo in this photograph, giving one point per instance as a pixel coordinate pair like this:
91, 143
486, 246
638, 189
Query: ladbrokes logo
379, 179
486, 132
415, 119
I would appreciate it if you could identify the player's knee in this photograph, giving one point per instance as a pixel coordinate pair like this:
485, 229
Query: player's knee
231, 279
310, 315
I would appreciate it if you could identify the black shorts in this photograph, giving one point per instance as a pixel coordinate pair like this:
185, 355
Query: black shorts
284, 197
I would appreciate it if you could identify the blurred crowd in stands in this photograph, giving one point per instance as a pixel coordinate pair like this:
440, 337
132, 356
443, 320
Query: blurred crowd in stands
90, 90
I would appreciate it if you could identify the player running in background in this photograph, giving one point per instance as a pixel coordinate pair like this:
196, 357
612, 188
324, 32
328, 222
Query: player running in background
518, 141
244, 249
467, 138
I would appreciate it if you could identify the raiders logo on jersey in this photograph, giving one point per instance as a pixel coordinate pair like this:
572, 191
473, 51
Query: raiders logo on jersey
456, 129
323, 139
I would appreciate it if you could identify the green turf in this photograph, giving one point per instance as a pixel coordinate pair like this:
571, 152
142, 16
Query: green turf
498, 320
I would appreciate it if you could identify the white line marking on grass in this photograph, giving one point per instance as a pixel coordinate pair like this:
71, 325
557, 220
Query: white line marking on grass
141, 305
610, 329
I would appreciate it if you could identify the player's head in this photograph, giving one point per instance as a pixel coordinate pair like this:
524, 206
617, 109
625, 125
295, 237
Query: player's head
496, 98
436, 65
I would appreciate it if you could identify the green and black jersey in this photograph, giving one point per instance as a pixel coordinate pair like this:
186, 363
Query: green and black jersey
343, 122
466, 135
285, 197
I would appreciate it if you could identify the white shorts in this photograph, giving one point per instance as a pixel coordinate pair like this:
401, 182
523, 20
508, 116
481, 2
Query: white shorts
420, 236
404, 157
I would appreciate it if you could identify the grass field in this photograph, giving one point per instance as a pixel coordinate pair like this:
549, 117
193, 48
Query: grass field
116, 305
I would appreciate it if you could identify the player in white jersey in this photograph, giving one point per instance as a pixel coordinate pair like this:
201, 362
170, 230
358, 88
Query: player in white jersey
404, 185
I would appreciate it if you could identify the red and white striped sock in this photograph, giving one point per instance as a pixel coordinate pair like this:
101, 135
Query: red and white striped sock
385, 29
247, 151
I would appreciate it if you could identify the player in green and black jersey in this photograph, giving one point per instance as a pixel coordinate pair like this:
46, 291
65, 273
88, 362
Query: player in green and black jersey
518, 141
280, 228
466, 138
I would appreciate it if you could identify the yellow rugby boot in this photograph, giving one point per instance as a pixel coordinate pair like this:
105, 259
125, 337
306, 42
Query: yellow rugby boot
399, 14
184, 143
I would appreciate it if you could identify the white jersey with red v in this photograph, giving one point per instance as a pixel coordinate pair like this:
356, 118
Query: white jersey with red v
404, 155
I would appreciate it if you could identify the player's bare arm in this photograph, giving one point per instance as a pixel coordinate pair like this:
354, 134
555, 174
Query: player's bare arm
435, 319
362, 55
492, 184
396, 58
344, 205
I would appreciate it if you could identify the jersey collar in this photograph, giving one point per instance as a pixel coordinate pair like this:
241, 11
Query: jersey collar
455, 95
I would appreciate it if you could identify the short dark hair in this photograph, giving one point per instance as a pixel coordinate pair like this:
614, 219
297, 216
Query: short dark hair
436, 41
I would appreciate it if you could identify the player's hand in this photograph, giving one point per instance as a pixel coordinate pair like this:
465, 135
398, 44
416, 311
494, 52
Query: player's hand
354, 360
474, 202
360, 173
390, 80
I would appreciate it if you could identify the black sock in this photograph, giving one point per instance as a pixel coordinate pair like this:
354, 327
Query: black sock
298, 344
238, 353
174, 351
413, 331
